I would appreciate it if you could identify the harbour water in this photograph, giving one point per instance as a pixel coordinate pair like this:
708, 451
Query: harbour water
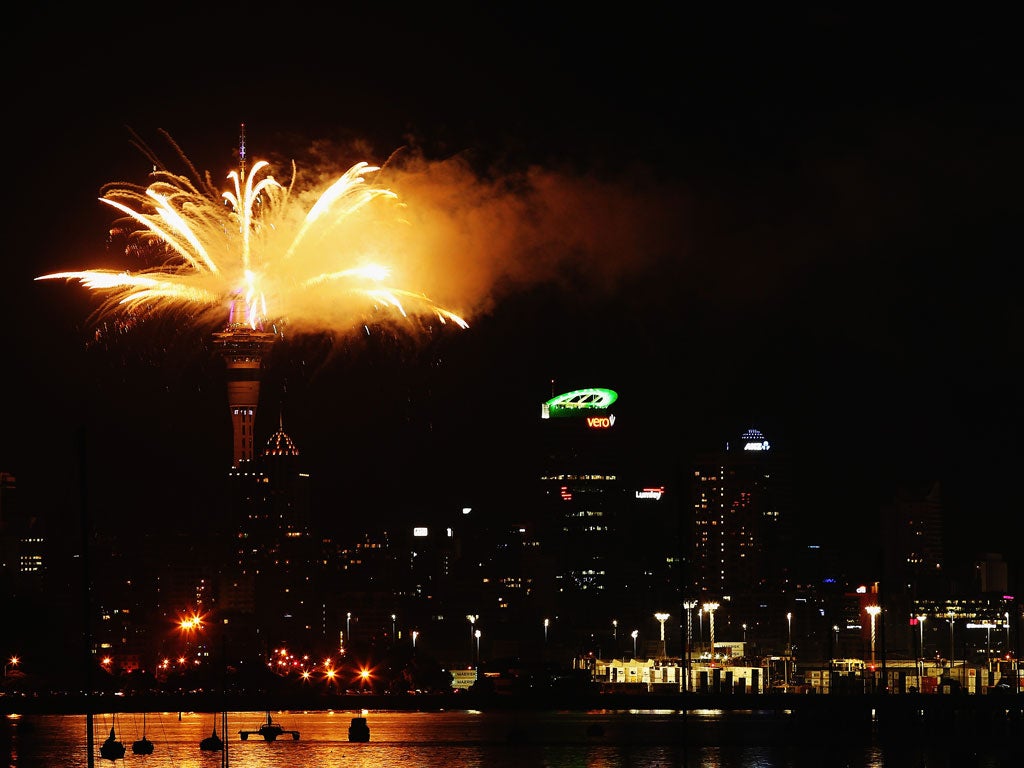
502, 739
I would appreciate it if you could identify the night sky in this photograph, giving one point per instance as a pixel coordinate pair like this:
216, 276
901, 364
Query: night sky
804, 222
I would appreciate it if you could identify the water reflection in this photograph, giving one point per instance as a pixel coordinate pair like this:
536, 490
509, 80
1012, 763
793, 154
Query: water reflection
470, 739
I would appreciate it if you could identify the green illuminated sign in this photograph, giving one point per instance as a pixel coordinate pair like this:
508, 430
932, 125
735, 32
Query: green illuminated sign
578, 403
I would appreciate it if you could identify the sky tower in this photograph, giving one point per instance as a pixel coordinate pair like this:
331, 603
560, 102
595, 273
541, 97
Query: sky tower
242, 348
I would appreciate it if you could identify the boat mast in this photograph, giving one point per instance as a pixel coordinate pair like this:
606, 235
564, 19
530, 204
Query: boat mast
86, 599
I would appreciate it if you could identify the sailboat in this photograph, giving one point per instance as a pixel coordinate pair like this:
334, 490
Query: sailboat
213, 742
142, 746
112, 749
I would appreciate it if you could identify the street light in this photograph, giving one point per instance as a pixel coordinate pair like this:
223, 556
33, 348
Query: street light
744, 635
688, 606
711, 608
920, 627
14, 661
988, 644
662, 617
348, 627
633, 634
700, 628
478, 647
873, 611
615, 630
415, 634
471, 618
394, 618
546, 622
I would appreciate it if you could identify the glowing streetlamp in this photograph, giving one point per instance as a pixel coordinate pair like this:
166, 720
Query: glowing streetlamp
744, 635
546, 622
471, 618
988, 644
394, 634
952, 645
477, 634
700, 627
348, 627
873, 611
634, 634
711, 608
688, 606
415, 634
12, 662
920, 627
662, 618
615, 630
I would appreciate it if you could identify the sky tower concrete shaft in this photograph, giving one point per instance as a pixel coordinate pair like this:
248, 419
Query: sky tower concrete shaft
242, 348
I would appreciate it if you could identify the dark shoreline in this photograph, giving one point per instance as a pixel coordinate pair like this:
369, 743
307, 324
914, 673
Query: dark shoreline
806, 706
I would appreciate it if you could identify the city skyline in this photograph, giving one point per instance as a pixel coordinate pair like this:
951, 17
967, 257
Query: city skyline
817, 254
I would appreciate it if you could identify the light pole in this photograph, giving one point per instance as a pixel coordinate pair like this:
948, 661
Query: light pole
546, 622
14, 661
873, 611
477, 633
662, 618
471, 618
415, 634
394, 634
634, 634
688, 606
920, 627
711, 608
789, 647
744, 638
832, 657
615, 630
1006, 625
988, 644
952, 647
348, 627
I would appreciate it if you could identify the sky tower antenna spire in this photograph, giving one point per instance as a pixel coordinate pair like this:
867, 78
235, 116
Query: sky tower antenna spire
241, 151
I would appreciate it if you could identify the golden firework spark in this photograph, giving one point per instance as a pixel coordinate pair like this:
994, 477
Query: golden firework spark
257, 249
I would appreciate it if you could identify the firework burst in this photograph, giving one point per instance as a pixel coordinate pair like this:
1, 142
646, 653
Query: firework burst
256, 255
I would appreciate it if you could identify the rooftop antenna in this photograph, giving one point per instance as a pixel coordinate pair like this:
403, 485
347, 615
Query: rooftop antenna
241, 151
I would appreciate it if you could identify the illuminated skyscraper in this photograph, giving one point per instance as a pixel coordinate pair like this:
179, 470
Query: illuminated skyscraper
741, 519
582, 505
273, 576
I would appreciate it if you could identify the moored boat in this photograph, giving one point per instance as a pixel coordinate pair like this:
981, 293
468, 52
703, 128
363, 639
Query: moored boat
142, 746
112, 749
212, 743
269, 731
358, 730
